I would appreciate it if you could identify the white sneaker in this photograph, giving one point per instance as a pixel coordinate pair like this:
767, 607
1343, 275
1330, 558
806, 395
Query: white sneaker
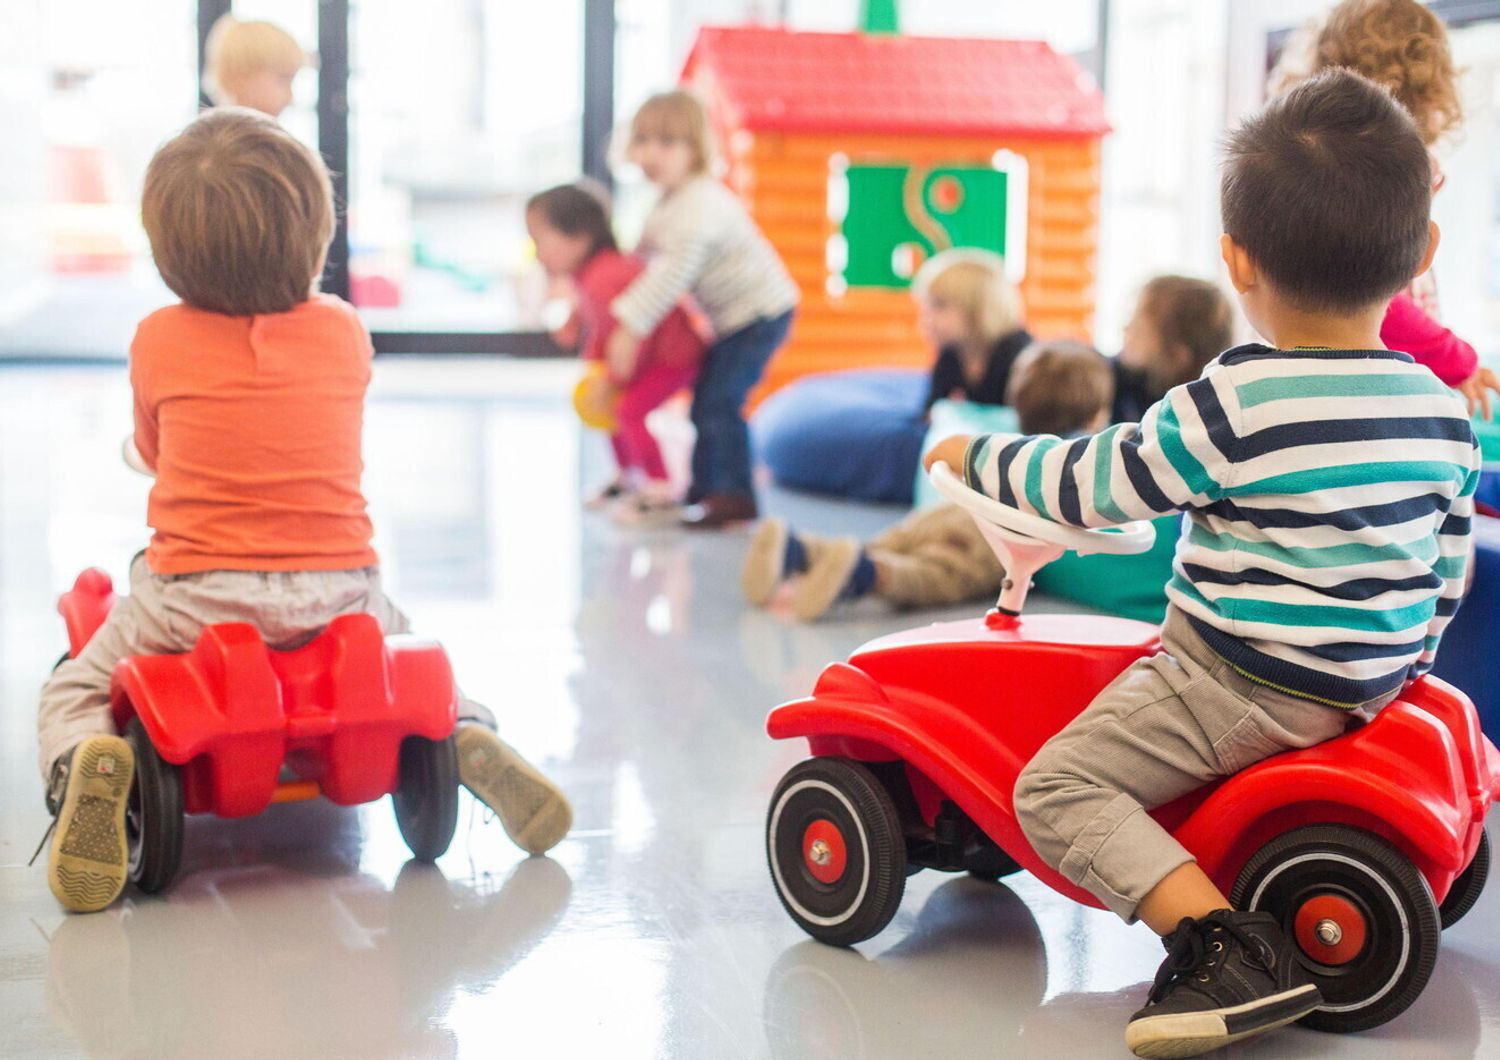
654, 504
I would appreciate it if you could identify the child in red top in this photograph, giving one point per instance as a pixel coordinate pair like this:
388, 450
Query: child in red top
571, 229
1403, 46
249, 402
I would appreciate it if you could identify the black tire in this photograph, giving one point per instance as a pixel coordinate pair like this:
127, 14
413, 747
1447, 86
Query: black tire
153, 815
1469, 885
1395, 909
846, 798
426, 796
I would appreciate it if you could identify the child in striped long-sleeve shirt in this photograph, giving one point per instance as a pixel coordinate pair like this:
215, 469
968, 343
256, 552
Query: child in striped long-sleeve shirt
1329, 484
700, 241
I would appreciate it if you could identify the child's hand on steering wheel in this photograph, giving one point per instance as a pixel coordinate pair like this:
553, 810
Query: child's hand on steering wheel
949, 451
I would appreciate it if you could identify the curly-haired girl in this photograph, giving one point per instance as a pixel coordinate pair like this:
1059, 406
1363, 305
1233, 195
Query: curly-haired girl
1403, 46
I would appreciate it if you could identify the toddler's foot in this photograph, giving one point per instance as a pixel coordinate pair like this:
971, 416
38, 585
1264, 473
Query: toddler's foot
1227, 976
534, 812
654, 505
765, 562
616, 491
89, 859
718, 510
837, 569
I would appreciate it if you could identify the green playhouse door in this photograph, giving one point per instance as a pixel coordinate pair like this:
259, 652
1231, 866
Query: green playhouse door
893, 217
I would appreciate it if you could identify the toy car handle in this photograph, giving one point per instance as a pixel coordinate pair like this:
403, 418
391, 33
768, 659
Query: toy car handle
1127, 540
1025, 543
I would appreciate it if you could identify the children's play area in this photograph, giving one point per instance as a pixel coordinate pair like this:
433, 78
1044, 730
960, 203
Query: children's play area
700, 529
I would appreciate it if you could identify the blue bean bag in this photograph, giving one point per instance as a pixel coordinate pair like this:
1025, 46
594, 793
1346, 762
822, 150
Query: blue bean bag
854, 434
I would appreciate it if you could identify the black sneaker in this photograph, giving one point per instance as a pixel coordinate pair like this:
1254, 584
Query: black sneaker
1227, 976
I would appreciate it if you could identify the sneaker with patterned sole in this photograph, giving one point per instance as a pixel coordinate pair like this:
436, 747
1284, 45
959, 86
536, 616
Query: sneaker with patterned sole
533, 811
830, 562
89, 858
765, 560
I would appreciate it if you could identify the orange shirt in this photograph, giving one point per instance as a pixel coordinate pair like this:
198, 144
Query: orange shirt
253, 427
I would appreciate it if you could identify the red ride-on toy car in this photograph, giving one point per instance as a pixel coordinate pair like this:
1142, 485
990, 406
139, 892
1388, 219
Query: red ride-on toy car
231, 727
1365, 847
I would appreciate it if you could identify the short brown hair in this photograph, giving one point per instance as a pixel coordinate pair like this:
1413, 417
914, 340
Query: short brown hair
1402, 46
677, 115
1328, 190
578, 209
1059, 387
239, 213
1189, 313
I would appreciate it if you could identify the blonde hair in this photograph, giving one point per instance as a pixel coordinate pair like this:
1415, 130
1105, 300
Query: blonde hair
1400, 45
1059, 387
974, 281
237, 50
239, 213
676, 115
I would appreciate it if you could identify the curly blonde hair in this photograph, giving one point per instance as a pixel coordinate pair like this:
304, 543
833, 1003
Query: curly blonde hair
1403, 46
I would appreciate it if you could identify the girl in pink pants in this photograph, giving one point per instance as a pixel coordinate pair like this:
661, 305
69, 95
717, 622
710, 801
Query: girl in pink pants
570, 226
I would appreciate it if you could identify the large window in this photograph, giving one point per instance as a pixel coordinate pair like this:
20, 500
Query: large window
459, 110
88, 89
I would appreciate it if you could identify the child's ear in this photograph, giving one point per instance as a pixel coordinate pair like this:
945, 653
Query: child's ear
1434, 235
1242, 272
1181, 357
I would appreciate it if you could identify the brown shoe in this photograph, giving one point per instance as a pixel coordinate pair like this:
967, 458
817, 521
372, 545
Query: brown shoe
718, 510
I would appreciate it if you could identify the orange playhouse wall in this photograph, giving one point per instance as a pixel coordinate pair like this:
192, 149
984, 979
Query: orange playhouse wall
784, 179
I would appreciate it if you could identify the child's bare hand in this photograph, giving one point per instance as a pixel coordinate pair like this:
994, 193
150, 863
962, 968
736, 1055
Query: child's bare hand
949, 451
1476, 391
621, 352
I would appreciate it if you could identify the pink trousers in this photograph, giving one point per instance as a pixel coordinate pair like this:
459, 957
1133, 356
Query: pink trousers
635, 448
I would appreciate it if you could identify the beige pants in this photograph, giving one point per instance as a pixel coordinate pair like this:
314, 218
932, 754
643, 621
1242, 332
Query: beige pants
935, 557
1166, 726
165, 614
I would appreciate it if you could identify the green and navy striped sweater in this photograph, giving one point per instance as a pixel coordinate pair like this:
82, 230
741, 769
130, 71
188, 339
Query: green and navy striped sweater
1329, 495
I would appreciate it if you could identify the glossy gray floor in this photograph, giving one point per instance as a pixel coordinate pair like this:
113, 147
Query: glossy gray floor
626, 664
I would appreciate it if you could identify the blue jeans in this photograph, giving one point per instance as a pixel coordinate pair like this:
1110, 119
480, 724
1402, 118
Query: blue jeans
732, 366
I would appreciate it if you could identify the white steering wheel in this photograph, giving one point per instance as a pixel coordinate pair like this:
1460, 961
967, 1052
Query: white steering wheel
1025, 543
1025, 528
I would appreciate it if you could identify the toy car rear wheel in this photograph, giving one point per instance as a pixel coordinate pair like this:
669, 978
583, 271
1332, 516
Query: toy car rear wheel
426, 796
836, 851
1469, 885
1360, 915
153, 815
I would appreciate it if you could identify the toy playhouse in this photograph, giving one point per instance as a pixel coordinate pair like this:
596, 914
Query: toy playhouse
860, 155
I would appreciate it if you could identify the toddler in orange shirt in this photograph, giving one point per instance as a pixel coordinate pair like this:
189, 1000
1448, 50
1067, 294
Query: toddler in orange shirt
249, 402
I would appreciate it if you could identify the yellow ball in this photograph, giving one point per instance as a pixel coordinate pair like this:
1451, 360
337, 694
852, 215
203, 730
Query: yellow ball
595, 399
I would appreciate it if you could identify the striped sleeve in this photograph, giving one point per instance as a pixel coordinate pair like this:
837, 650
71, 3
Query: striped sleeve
1452, 565
1178, 457
671, 275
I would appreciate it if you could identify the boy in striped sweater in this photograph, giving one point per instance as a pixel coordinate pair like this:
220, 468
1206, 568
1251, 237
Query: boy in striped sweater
1329, 484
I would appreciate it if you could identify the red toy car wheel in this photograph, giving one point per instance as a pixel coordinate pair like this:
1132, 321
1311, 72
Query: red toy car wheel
836, 851
153, 815
1361, 915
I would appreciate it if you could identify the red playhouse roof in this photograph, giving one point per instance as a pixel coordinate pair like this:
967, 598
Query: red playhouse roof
783, 81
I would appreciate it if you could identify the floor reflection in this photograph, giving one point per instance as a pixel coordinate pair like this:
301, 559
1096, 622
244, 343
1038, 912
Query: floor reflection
625, 662
340, 965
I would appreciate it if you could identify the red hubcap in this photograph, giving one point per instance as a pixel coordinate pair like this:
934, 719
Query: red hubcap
823, 851
1330, 929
